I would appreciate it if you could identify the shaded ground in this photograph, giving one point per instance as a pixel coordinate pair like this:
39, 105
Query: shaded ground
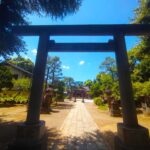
107, 124
59, 131
10, 116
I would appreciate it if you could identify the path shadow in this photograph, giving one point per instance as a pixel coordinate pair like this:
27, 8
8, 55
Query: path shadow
54, 140
58, 107
6, 105
88, 141
7, 133
63, 106
109, 137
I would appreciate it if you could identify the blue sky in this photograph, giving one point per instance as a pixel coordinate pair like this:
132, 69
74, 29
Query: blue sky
83, 66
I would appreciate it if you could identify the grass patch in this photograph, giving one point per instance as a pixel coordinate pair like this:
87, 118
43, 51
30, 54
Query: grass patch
103, 107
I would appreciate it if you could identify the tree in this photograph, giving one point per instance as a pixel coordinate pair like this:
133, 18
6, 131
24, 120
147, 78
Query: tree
5, 78
88, 83
95, 89
14, 12
59, 88
142, 12
26, 64
69, 82
106, 80
139, 63
142, 16
139, 56
109, 65
78, 84
53, 70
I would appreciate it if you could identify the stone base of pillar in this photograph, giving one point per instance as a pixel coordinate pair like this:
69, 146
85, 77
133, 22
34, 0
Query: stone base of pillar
132, 138
30, 137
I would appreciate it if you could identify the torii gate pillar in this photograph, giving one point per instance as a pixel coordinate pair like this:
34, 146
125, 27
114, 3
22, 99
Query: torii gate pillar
31, 134
130, 136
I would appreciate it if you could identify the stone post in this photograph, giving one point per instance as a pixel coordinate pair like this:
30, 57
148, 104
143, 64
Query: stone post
31, 134
128, 106
130, 136
33, 113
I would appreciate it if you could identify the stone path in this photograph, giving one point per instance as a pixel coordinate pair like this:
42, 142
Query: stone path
80, 132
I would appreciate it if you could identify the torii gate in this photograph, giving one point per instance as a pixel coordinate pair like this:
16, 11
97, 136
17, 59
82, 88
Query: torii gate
129, 135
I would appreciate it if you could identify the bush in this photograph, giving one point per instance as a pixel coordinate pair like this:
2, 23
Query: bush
103, 107
22, 84
141, 89
19, 94
98, 101
22, 99
14, 97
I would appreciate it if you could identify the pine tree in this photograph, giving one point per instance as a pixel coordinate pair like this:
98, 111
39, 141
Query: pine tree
14, 12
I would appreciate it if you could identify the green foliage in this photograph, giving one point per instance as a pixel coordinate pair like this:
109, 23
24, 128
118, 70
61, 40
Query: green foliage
59, 91
103, 107
141, 89
140, 52
115, 90
107, 80
69, 82
139, 56
139, 59
25, 64
53, 70
22, 84
5, 78
98, 101
95, 90
14, 12
88, 83
13, 97
109, 66
142, 13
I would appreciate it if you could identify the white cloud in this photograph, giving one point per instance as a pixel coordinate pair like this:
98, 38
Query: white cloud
65, 67
34, 51
82, 62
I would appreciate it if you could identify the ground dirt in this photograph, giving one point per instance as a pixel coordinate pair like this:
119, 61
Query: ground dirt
106, 124
10, 116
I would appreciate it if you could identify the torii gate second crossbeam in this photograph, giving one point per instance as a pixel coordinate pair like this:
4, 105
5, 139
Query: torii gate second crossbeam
81, 47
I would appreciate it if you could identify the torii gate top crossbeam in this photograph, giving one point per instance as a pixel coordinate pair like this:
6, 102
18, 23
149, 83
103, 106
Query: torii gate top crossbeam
83, 30
81, 47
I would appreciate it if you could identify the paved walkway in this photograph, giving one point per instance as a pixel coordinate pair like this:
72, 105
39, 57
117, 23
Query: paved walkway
80, 132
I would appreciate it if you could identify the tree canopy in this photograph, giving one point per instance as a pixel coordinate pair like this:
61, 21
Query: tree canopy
22, 62
106, 80
109, 66
53, 69
140, 54
6, 77
69, 82
14, 12
142, 13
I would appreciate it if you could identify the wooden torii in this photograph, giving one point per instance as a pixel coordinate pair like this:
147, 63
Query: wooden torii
129, 134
